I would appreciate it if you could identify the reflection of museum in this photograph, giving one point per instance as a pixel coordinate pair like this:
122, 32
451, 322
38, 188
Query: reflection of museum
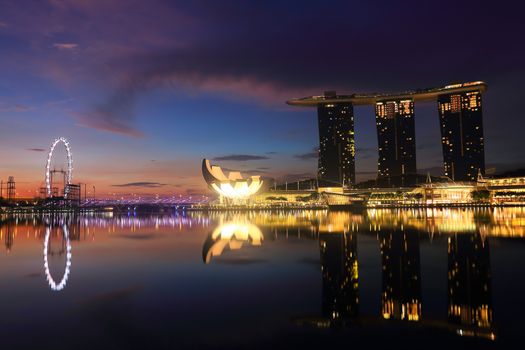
398, 237
230, 235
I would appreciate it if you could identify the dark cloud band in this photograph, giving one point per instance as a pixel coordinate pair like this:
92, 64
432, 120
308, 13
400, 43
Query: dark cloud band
240, 157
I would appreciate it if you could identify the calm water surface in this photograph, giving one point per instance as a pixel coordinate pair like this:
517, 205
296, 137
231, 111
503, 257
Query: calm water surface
305, 279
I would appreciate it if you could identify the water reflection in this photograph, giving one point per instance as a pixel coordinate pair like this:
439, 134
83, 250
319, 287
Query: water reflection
9, 236
398, 236
64, 248
401, 271
469, 285
340, 295
85, 226
232, 235
371, 268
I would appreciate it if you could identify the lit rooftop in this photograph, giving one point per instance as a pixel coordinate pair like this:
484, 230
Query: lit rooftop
428, 94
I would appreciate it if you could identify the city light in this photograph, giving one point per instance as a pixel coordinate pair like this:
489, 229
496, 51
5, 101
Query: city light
233, 186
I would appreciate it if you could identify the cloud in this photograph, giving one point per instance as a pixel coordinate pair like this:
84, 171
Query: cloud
59, 102
65, 46
240, 157
3, 24
193, 192
298, 177
309, 155
14, 108
36, 149
247, 171
106, 120
143, 184
219, 49
189, 71
115, 114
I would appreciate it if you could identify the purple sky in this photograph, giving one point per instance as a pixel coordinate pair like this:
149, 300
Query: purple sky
145, 89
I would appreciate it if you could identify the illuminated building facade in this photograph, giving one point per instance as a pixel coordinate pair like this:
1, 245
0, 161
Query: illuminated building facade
233, 187
462, 139
340, 274
509, 190
461, 128
401, 291
469, 281
336, 143
396, 137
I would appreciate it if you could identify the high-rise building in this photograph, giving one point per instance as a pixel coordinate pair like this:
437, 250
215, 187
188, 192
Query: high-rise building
469, 281
401, 291
461, 131
396, 136
340, 274
336, 143
11, 188
462, 135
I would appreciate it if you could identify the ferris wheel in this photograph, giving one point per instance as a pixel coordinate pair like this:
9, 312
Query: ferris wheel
68, 174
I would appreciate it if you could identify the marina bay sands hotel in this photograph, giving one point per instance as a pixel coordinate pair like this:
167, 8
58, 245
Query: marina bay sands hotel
460, 117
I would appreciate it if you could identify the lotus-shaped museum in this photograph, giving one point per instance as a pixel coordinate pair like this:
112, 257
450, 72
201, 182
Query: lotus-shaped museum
233, 186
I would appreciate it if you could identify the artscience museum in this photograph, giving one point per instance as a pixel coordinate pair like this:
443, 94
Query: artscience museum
233, 187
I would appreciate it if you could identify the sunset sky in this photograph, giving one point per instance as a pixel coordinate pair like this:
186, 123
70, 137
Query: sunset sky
144, 90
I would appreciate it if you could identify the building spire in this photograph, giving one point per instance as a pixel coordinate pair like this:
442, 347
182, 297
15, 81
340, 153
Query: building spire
480, 176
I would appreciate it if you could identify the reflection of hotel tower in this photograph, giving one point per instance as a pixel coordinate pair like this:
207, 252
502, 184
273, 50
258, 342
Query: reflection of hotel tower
469, 287
401, 292
340, 274
459, 108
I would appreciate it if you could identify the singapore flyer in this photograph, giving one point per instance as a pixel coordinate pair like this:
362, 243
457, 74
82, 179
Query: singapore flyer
69, 172
52, 284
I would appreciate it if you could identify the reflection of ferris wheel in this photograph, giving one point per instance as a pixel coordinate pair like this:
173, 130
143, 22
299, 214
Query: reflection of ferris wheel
68, 175
52, 284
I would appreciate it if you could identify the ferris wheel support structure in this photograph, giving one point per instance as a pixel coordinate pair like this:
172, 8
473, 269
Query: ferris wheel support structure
69, 172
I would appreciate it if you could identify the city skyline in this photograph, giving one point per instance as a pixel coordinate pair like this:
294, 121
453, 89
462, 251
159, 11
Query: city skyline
247, 174
145, 96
